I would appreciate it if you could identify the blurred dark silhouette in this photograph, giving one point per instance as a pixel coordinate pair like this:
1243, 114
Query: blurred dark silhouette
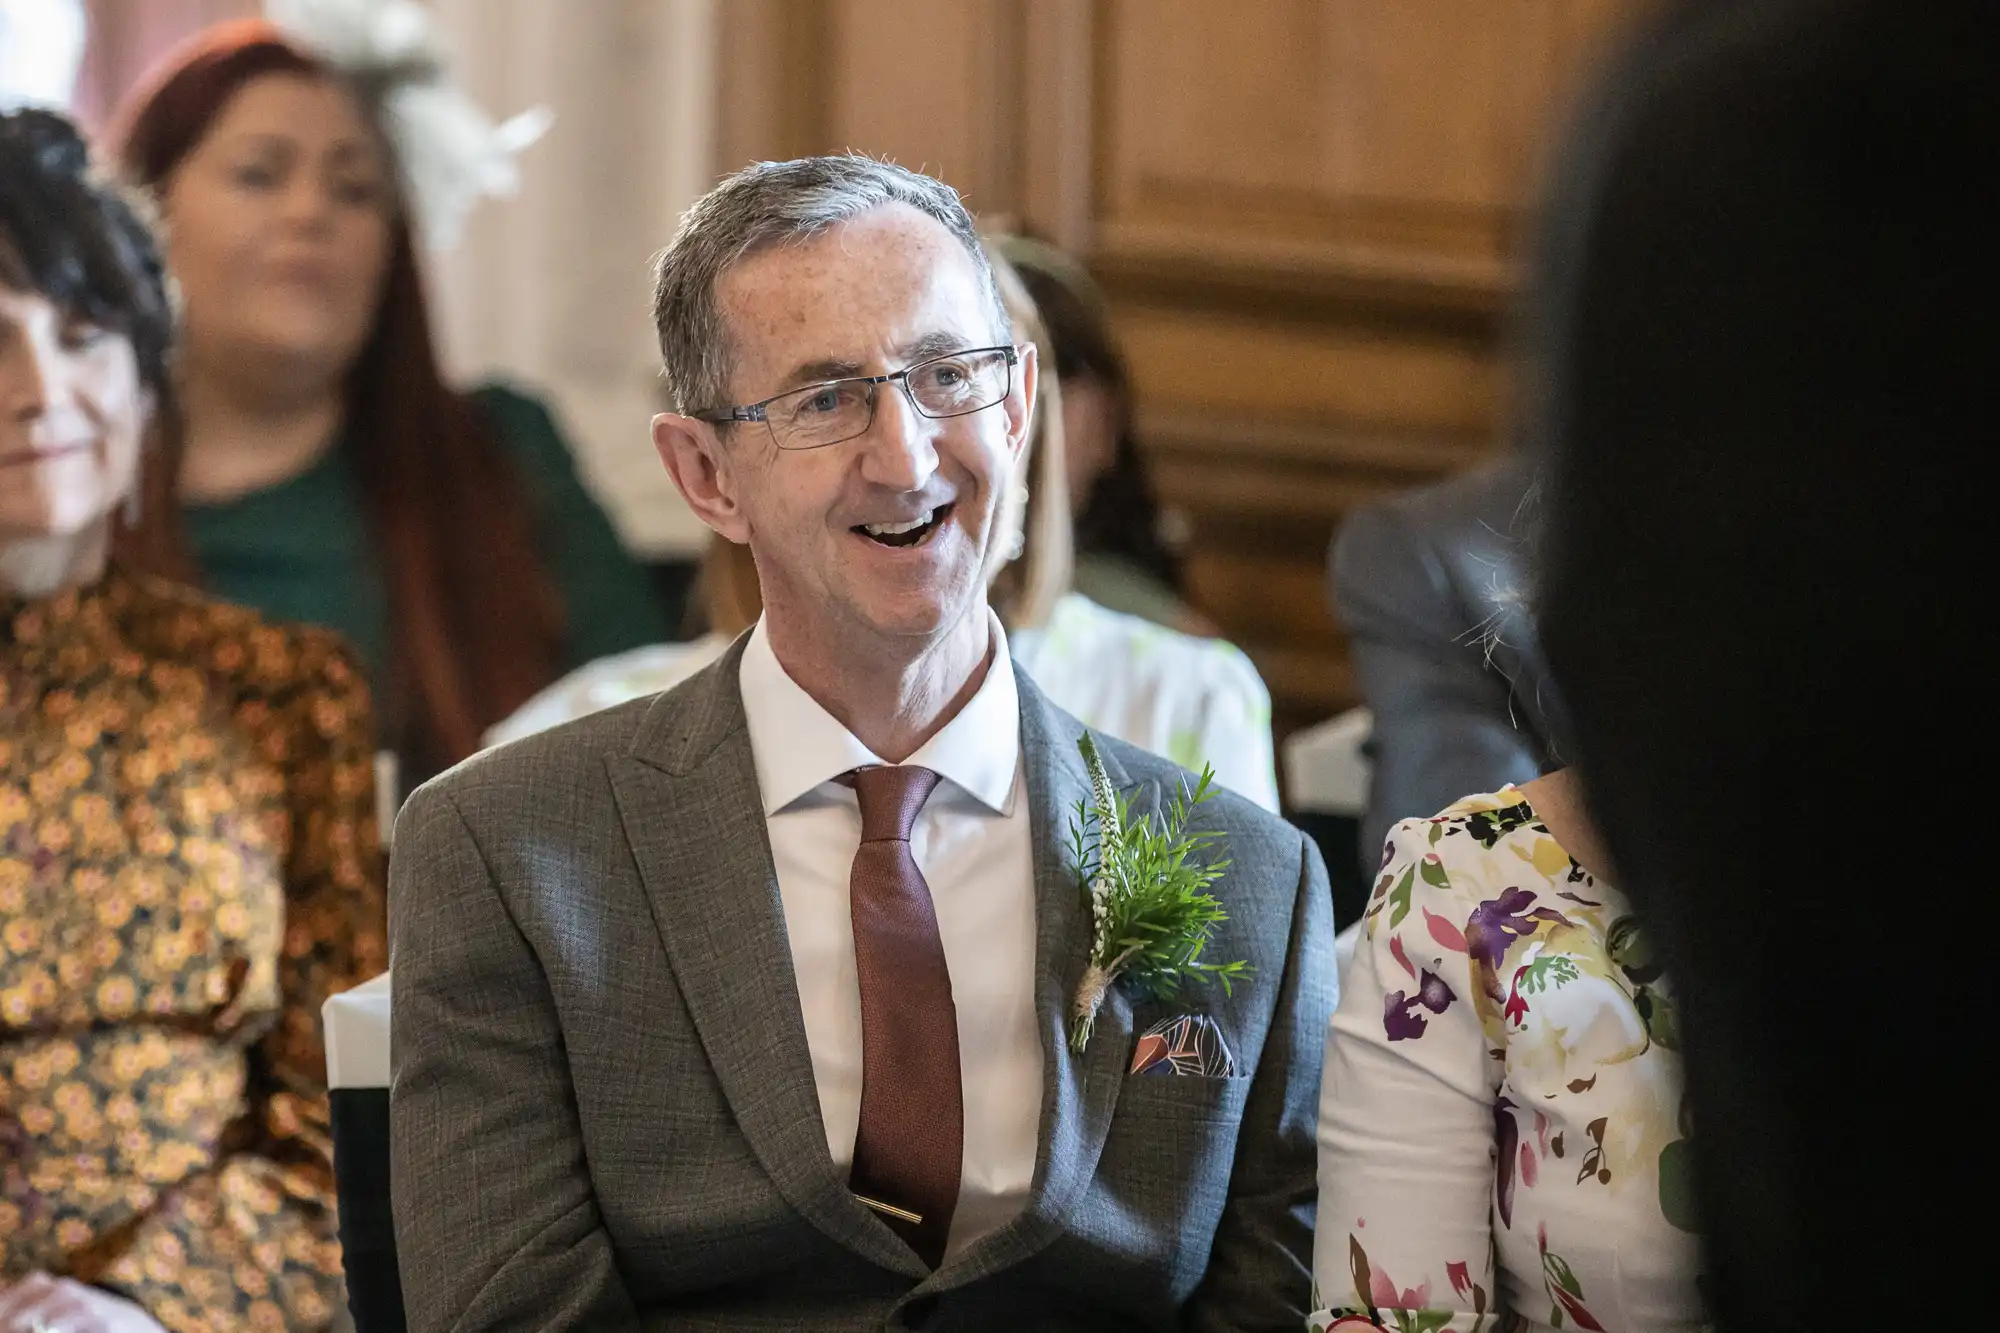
1763, 383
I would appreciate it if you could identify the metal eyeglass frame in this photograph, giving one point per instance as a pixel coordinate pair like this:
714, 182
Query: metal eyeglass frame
757, 411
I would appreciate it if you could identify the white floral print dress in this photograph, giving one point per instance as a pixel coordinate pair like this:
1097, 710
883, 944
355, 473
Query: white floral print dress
1502, 1138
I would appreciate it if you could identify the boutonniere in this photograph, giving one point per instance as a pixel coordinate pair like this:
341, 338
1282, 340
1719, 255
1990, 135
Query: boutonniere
1146, 882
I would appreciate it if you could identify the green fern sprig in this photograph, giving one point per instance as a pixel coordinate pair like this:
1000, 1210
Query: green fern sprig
1146, 884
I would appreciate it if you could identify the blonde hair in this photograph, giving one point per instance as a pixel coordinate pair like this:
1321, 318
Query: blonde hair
1025, 589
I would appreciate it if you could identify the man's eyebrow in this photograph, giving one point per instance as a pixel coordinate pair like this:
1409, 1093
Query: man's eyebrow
909, 354
826, 368
930, 345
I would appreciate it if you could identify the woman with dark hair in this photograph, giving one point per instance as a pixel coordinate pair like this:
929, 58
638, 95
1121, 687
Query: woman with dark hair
331, 475
1122, 560
188, 861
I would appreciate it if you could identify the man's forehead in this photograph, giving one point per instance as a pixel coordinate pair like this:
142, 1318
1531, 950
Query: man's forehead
881, 268
892, 235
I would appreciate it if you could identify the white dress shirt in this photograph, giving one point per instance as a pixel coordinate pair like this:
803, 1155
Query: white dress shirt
972, 842
1196, 701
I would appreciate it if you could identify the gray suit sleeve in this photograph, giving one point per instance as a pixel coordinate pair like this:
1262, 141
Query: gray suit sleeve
1444, 725
1260, 1271
496, 1221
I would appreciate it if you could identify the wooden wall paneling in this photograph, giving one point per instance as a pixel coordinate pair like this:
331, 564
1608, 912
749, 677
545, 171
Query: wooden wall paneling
1334, 146
940, 89
1057, 120
1264, 364
1306, 215
773, 81
934, 87
1323, 142
1428, 106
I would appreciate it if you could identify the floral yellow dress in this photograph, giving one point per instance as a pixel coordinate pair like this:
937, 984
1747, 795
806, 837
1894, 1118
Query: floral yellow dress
188, 868
1503, 1143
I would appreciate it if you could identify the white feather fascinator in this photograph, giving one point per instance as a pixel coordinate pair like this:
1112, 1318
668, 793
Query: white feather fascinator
449, 153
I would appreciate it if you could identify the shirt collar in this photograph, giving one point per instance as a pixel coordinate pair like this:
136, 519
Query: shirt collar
798, 745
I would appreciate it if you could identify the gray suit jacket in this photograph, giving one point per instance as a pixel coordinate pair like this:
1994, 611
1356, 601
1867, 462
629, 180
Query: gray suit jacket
604, 1112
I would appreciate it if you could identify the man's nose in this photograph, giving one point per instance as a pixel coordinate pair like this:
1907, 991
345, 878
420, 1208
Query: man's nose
899, 451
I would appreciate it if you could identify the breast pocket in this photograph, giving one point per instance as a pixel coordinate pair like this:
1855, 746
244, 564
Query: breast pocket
1166, 1167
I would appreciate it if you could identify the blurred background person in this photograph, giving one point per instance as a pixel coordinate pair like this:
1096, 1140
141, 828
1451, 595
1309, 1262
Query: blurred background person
1429, 587
1123, 561
1191, 699
1765, 393
330, 474
188, 860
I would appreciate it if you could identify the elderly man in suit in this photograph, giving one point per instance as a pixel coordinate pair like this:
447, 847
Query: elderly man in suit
745, 1006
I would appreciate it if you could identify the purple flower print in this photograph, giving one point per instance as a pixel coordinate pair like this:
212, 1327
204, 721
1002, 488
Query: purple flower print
1507, 1145
1497, 923
1436, 996
1400, 1019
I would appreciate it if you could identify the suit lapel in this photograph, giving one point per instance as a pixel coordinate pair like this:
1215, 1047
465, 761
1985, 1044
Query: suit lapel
688, 797
1079, 1092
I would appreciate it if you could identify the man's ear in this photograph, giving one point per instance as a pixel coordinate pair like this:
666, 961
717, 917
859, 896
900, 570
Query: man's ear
1021, 401
693, 454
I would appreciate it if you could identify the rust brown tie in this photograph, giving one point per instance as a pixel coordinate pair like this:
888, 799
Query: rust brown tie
911, 1139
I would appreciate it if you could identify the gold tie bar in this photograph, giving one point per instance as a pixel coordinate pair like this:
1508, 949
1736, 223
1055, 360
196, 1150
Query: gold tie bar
891, 1210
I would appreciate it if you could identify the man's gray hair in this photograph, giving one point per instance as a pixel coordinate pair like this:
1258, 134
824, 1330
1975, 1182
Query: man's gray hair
775, 203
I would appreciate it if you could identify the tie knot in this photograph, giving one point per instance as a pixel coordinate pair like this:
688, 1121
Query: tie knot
891, 796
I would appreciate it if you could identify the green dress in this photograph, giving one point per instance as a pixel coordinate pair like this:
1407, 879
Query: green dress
301, 550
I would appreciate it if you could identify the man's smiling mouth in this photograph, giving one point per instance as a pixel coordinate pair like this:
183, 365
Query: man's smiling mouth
914, 532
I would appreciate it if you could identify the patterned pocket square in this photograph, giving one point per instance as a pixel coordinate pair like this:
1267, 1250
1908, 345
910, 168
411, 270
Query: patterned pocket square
1188, 1044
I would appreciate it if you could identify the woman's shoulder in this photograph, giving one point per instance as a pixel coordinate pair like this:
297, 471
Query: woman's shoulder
1478, 840
523, 419
1483, 820
607, 682
238, 645
1093, 637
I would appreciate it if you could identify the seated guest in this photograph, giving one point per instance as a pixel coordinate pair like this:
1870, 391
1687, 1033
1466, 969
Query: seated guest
188, 860
331, 475
1428, 587
1502, 1132
749, 1005
1193, 700
1122, 560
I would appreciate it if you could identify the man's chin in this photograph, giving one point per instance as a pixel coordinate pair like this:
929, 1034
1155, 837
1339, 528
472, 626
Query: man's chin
918, 618
926, 623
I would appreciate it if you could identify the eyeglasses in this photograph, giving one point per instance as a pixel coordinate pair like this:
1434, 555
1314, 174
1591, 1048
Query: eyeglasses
954, 385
